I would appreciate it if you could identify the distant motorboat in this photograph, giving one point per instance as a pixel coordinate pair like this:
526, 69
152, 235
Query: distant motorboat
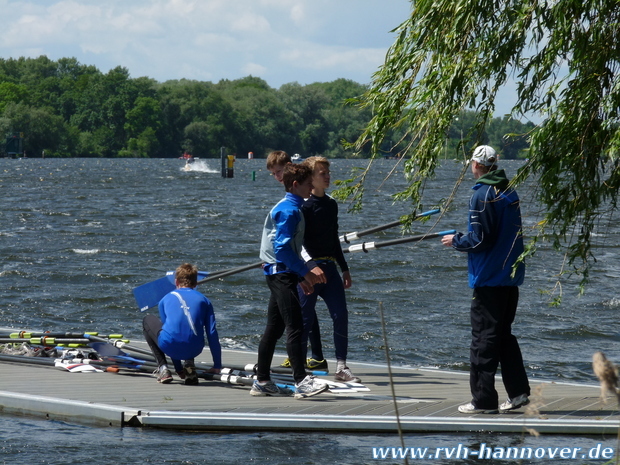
188, 157
296, 157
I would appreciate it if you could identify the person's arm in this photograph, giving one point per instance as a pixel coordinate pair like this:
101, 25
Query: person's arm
286, 226
482, 223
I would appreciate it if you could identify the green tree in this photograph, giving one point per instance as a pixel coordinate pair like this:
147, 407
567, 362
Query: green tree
564, 56
41, 128
265, 123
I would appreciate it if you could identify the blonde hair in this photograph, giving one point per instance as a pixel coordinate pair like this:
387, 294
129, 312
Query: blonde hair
278, 157
316, 160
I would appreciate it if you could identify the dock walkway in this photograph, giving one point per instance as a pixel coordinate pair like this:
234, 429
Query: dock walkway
426, 400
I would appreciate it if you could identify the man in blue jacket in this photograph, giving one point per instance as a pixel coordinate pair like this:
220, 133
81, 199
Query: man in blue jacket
494, 242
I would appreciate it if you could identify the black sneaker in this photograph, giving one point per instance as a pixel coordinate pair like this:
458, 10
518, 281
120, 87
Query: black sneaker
312, 364
191, 377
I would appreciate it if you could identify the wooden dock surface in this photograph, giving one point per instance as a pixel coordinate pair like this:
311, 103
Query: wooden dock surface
426, 400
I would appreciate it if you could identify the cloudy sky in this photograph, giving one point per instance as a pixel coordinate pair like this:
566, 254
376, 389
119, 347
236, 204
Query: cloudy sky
280, 41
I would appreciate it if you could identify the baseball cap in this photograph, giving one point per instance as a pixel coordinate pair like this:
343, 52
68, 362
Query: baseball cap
485, 155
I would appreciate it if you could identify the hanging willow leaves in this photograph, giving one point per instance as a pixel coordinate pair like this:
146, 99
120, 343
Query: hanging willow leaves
452, 55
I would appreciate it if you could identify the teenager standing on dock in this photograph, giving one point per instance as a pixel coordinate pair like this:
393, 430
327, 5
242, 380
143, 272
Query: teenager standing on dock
322, 244
282, 239
179, 332
276, 161
494, 242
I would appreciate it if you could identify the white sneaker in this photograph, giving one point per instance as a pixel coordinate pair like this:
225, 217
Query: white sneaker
514, 403
471, 409
269, 389
345, 376
309, 387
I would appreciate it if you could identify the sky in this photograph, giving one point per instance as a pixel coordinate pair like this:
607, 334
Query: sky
280, 41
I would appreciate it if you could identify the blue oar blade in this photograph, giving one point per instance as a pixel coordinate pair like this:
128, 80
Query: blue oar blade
148, 295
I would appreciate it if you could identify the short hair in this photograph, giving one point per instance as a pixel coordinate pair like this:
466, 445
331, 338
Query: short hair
295, 172
316, 160
187, 275
278, 157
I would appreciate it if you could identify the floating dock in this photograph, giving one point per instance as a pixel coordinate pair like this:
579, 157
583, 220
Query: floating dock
426, 400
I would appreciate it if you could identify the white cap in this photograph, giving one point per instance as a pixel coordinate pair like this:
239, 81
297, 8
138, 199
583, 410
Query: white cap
485, 155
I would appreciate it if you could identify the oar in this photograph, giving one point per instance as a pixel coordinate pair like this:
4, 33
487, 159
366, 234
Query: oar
287, 380
117, 344
109, 351
366, 246
353, 236
31, 334
148, 295
45, 341
251, 368
74, 365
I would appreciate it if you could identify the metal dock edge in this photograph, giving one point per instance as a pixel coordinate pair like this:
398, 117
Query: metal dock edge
367, 423
426, 401
66, 410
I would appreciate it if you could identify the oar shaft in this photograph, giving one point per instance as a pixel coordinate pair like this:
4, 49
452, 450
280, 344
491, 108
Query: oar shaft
356, 235
30, 360
366, 246
231, 271
123, 344
44, 341
32, 334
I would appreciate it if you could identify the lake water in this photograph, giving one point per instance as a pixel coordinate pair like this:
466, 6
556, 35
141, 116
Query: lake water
78, 235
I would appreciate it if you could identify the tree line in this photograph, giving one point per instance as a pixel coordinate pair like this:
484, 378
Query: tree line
67, 109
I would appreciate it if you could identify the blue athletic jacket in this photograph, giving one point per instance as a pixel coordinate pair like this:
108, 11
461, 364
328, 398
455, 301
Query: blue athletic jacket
495, 239
185, 315
283, 235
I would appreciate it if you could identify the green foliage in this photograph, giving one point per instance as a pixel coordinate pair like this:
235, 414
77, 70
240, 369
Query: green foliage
453, 55
110, 114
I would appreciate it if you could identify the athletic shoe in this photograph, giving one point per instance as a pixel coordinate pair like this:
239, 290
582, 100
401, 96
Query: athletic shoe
269, 389
312, 364
472, 409
309, 387
346, 376
164, 376
286, 363
514, 403
181, 374
191, 377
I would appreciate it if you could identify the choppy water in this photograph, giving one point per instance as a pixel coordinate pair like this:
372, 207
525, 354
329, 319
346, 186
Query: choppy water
78, 235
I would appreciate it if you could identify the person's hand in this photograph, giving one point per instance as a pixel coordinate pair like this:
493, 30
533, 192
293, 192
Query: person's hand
315, 276
346, 279
447, 240
306, 287
320, 275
